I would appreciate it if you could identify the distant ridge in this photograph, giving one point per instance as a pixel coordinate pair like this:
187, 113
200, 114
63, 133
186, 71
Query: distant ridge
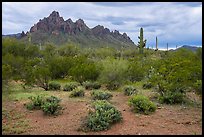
54, 29
192, 48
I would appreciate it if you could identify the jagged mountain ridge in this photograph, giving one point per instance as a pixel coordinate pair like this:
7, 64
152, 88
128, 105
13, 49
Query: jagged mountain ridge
54, 29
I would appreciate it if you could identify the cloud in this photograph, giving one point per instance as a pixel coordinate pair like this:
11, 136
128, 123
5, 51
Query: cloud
190, 4
172, 22
114, 4
129, 4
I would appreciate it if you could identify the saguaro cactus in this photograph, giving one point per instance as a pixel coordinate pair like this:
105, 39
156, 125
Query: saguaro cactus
156, 44
141, 42
167, 45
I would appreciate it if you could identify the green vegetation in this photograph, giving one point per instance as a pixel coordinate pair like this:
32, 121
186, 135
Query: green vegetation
141, 104
54, 86
101, 95
172, 98
142, 43
129, 90
110, 67
77, 92
198, 86
101, 116
36, 102
161, 76
147, 85
91, 85
71, 86
51, 106
113, 73
175, 73
83, 70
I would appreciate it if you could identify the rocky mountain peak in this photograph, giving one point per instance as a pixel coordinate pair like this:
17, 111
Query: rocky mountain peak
54, 14
99, 27
54, 24
69, 21
80, 21
116, 32
100, 30
55, 18
80, 25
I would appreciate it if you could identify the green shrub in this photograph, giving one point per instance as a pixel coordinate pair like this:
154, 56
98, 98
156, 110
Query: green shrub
77, 92
141, 104
91, 85
112, 86
51, 106
84, 70
70, 86
129, 90
54, 86
101, 95
172, 97
198, 86
113, 72
101, 116
30, 106
36, 102
136, 71
147, 85
53, 99
178, 69
59, 66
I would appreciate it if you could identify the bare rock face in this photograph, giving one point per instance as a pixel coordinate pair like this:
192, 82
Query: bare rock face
80, 26
101, 31
116, 33
125, 36
55, 22
68, 26
34, 28
52, 23
23, 34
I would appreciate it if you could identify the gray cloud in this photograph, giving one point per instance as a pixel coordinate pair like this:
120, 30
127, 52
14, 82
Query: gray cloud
190, 4
127, 4
116, 4
118, 23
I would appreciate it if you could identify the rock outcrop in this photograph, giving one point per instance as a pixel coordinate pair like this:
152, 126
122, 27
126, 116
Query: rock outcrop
57, 30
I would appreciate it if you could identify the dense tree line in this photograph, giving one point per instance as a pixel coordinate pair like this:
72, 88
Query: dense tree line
169, 71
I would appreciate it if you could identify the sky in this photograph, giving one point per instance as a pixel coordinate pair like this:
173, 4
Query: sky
175, 23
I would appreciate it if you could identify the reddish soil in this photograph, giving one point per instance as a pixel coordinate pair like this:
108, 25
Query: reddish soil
168, 119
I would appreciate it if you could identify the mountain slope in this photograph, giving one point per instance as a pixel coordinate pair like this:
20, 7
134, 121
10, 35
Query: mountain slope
54, 29
192, 48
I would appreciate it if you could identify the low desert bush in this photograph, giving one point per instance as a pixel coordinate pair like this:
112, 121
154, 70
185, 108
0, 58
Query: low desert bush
129, 90
198, 86
70, 86
101, 116
91, 85
36, 102
172, 98
101, 95
51, 106
54, 86
147, 85
77, 92
141, 104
